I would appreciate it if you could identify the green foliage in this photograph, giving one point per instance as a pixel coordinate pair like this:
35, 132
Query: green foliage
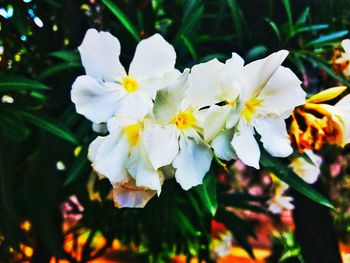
41, 127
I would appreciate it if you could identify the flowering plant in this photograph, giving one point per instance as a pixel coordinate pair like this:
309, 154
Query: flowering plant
162, 123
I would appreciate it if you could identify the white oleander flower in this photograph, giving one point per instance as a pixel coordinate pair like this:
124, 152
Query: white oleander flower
308, 171
176, 139
122, 158
345, 57
107, 90
266, 93
280, 201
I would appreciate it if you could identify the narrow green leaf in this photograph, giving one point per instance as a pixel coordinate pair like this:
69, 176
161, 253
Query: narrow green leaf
322, 65
67, 55
239, 228
303, 17
236, 15
274, 28
192, 18
49, 125
57, 69
190, 47
288, 8
207, 193
122, 18
15, 83
12, 127
284, 173
327, 38
80, 165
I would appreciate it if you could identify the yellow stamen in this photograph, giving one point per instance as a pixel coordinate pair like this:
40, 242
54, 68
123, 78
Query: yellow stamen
133, 133
130, 84
185, 120
250, 108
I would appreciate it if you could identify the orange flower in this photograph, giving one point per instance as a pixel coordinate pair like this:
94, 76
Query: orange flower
316, 124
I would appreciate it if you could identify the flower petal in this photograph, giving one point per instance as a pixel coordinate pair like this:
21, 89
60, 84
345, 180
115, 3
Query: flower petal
97, 102
204, 84
245, 145
222, 146
135, 105
161, 144
93, 148
129, 195
346, 46
215, 121
100, 56
168, 101
140, 168
152, 85
257, 73
111, 158
153, 57
282, 93
192, 163
274, 136
309, 172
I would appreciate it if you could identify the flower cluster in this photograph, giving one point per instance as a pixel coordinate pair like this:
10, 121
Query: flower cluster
162, 123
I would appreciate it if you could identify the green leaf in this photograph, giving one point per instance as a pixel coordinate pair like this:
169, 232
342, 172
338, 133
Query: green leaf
241, 229
256, 52
288, 8
80, 165
322, 65
15, 83
49, 125
274, 28
184, 222
326, 38
67, 55
190, 47
236, 15
12, 127
122, 18
284, 173
192, 18
207, 193
57, 69
302, 18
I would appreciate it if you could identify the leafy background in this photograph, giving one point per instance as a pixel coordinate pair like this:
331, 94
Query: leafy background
41, 128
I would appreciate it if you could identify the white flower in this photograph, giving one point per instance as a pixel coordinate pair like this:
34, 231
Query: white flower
121, 156
129, 195
213, 82
107, 89
345, 57
176, 140
309, 172
268, 93
279, 201
340, 114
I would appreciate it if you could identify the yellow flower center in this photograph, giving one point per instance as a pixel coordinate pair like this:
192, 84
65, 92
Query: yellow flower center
133, 133
130, 84
250, 108
185, 120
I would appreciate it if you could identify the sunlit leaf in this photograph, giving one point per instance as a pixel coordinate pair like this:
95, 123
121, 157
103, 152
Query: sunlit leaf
327, 38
